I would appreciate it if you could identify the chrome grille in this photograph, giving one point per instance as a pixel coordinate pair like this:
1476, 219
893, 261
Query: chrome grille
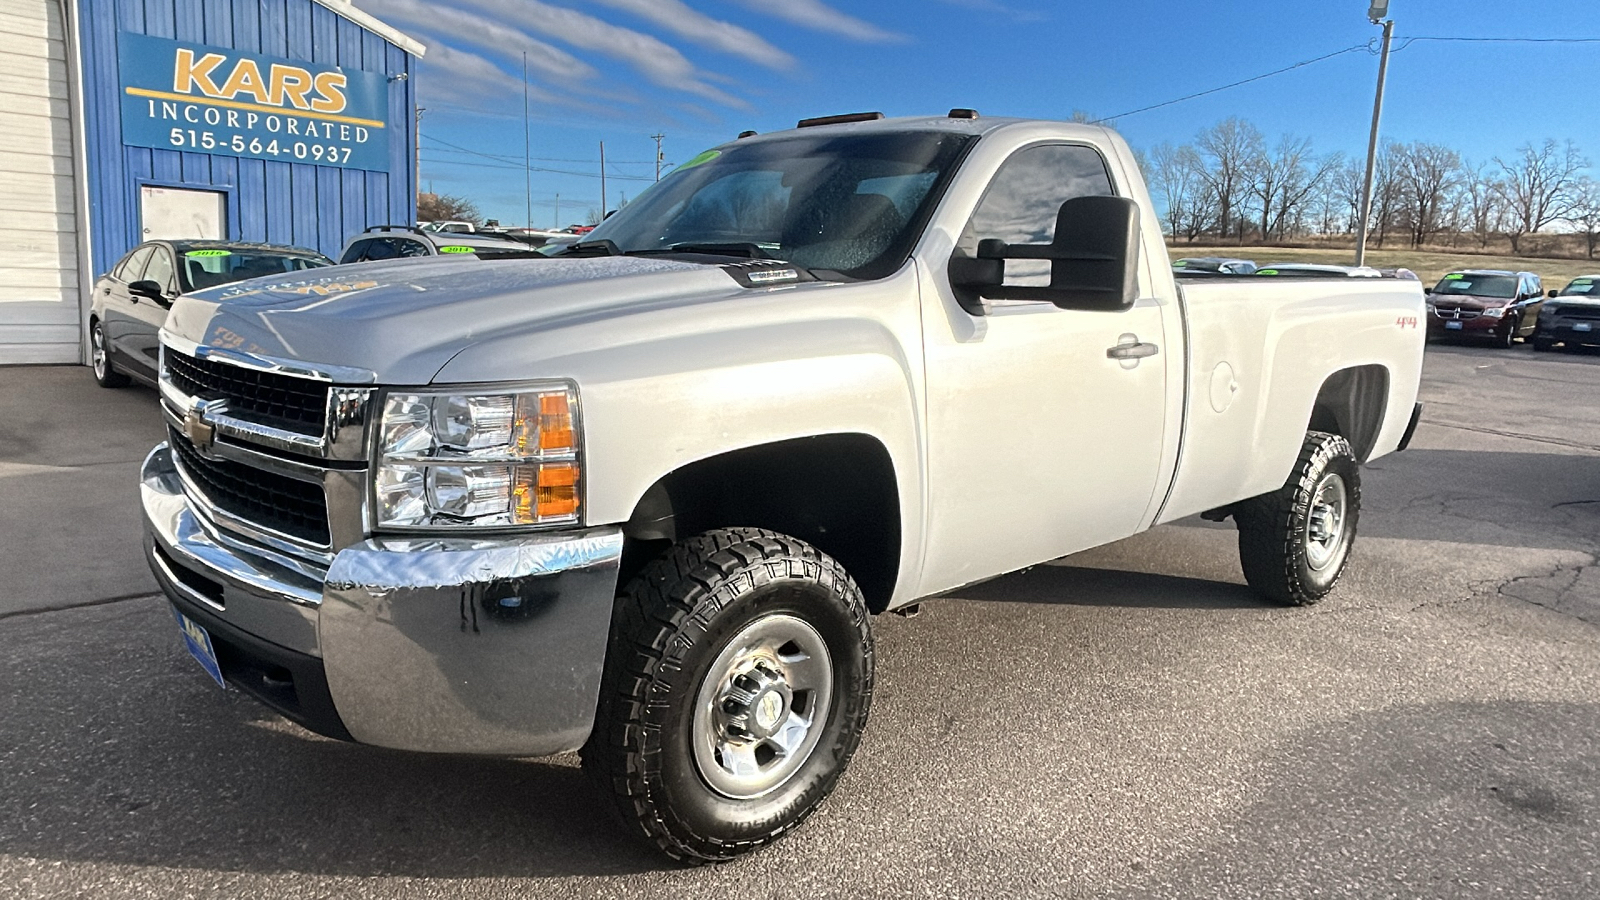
284, 401
1455, 311
289, 506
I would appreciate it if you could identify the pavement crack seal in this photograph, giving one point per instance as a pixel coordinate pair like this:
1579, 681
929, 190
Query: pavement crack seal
1529, 590
64, 607
1539, 439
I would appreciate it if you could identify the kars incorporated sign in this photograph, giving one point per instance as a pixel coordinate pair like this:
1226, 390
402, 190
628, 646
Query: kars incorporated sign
200, 99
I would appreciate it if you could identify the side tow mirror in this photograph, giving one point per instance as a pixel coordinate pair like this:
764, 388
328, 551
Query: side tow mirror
1093, 261
1552, 294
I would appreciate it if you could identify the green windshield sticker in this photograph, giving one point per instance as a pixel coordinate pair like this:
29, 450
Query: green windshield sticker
1456, 277
1180, 264
457, 248
700, 160
1267, 272
208, 253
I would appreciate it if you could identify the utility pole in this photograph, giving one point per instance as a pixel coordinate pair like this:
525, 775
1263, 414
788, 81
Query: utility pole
658, 138
1379, 9
557, 225
416, 149
527, 143
602, 181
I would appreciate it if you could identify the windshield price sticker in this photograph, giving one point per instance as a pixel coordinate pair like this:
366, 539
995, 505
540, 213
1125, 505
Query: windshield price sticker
1456, 277
203, 99
206, 254
456, 248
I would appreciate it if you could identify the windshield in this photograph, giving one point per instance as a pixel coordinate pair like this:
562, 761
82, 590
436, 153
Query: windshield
1581, 287
203, 268
1497, 287
851, 205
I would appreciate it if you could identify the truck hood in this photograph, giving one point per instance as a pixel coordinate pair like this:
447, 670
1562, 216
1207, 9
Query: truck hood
403, 320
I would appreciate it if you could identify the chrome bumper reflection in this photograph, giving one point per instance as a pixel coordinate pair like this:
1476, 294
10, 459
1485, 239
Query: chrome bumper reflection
470, 645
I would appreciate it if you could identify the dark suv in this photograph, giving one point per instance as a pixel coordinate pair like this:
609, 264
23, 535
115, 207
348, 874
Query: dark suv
1488, 303
1571, 317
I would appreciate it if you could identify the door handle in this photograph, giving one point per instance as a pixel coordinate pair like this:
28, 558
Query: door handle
1135, 350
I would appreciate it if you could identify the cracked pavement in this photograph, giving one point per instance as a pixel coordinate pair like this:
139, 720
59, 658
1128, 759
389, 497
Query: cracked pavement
1127, 722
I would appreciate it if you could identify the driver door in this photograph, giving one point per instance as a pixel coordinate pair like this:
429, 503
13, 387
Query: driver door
1039, 444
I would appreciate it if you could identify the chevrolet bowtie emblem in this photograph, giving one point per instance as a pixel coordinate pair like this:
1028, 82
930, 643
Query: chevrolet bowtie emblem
199, 431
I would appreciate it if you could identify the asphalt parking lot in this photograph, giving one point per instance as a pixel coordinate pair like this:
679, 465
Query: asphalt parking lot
1128, 722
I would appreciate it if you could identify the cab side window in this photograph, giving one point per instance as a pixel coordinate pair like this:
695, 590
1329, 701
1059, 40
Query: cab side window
1025, 198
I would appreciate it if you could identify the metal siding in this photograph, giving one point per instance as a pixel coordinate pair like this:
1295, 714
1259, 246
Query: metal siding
39, 295
297, 203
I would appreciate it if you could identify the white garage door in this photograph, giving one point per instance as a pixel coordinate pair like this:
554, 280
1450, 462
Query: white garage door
39, 317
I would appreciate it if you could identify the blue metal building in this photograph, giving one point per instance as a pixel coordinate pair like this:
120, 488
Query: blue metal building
285, 121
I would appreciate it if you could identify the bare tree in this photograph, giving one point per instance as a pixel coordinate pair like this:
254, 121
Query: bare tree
1283, 182
1429, 175
1227, 150
1481, 201
1586, 212
1539, 186
445, 207
1175, 179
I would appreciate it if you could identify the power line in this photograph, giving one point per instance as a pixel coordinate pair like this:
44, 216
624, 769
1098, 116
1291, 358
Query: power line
609, 162
503, 165
1290, 68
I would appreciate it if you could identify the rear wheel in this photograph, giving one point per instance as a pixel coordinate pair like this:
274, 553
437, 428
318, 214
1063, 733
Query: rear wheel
1294, 542
105, 374
736, 688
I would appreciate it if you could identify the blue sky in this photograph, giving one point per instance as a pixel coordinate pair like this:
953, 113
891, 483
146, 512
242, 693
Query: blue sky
700, 71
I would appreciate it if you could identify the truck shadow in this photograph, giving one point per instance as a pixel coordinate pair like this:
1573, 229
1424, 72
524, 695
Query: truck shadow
157, 767
1070, 585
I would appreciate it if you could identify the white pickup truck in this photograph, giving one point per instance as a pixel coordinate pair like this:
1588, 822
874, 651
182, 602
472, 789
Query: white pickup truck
642, 499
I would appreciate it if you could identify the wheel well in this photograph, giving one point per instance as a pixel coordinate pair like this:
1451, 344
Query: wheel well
837, 492
1351, 404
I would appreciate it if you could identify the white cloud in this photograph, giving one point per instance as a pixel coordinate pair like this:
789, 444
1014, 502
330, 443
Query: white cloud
991, 6
677, 17
468, 28
819, 16
656, 60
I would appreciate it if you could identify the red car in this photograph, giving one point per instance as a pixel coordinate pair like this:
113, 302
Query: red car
1491, 303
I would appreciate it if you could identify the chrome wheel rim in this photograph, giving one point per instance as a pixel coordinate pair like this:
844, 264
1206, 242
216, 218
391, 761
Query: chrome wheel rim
762, 707
1325, 525
97, 350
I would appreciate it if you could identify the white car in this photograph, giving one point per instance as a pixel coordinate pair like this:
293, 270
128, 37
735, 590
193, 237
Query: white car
642, 499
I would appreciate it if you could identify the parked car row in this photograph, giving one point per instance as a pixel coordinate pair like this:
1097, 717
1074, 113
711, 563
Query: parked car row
1496, 305
131, 300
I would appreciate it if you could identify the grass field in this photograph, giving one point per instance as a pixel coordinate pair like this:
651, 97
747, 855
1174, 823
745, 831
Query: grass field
1428, 265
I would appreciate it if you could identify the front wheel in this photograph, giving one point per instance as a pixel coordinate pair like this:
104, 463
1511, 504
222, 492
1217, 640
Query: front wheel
1507, 338
1294, 542
736, 687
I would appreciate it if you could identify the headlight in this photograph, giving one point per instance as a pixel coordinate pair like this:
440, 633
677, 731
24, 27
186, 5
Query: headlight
489, 458
1495, 312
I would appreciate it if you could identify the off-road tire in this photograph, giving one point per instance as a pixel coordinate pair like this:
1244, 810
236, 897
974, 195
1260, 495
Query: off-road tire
1272, 527
669, 625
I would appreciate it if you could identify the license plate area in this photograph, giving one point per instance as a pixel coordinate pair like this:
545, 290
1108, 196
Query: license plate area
1581, 326
198, 642
1453, 326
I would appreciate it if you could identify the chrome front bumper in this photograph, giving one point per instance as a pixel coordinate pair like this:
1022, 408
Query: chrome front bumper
460, 645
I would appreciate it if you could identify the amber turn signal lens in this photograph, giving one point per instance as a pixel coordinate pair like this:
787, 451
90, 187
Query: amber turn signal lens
557, 491
555, 422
